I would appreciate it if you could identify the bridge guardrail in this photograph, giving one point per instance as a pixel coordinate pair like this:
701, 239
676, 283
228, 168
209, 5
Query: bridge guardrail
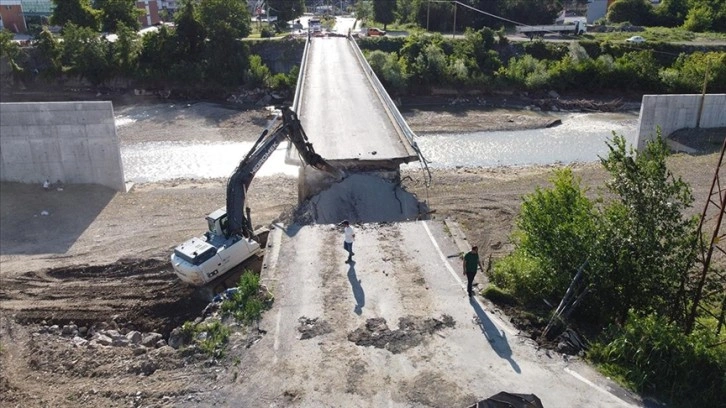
390, 105
290, 156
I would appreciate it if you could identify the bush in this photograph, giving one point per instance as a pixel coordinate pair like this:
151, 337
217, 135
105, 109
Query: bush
267, 32
248, 302
499, 296
655, 357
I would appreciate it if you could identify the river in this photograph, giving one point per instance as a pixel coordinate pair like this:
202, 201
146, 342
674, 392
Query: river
581, 137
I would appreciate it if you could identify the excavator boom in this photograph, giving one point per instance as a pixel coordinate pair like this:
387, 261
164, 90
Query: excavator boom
230, 239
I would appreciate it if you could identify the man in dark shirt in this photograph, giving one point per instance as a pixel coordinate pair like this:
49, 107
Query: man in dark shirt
471, 265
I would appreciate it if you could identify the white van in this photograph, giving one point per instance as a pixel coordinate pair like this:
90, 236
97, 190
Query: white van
315, 25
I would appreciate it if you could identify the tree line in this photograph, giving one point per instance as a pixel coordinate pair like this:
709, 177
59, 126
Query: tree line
485, 60
446, 16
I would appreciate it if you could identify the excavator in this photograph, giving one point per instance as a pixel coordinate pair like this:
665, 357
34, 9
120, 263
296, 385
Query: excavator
230, 239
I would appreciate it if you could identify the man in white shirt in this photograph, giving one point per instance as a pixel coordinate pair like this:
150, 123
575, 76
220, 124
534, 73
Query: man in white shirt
348, 241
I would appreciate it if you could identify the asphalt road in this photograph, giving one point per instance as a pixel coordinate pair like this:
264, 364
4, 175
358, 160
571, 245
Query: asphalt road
406, 270
340, 110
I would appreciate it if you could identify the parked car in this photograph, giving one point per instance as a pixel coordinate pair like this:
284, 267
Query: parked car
636, 39
375, 32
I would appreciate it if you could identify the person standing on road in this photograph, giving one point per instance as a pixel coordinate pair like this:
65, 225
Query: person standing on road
471, 265
349, 234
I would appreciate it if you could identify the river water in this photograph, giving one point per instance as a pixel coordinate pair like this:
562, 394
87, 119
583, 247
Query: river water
581, 138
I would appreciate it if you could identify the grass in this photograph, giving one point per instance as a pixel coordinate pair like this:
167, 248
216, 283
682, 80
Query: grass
659, 34
499, 296
209, 337
248, 303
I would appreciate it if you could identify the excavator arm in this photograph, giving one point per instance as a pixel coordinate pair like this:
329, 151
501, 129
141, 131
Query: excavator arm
286, 126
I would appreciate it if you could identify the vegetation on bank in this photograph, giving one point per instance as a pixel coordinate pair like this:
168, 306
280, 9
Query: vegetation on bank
485, 60
638, 255
245, 304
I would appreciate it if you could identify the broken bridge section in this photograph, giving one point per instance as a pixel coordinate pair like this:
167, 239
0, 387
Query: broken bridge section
347, 115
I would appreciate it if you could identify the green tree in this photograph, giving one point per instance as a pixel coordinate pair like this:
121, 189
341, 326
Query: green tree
645, 246
384, 11
190, 33
11, 50
116, 12
698, 19
126, 51
690, 71
671, 13
85, 54
8, 47
363, 9
224, 19
78, 12
553, 238
286, 10
49, 54
258, 74
638, 12
530, 11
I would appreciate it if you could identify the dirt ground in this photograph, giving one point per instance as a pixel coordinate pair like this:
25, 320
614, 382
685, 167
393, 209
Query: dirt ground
94, 262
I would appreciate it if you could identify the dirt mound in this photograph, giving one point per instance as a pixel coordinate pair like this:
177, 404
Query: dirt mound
143, 294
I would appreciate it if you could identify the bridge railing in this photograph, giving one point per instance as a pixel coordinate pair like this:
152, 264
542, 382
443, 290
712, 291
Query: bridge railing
390, 105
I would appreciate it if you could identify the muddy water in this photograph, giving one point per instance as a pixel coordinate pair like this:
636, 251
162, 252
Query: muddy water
580, 138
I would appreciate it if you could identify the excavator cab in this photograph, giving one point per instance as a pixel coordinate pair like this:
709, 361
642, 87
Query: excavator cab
217, 223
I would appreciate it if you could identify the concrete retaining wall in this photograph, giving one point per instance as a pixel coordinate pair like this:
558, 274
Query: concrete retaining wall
74, 142
673, 112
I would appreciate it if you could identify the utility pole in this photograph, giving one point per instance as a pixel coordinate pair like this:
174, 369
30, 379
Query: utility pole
428, 12
703, 95
453, 31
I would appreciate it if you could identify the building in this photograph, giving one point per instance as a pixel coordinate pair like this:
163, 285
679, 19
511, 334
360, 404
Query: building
14, 13
11, 16
151, 12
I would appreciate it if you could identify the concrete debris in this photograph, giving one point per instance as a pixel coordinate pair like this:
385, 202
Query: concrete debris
145, 367
69, 330
134, 337
410, 333
310, 328
361, 198
79, 341
151, 339
103, 340
176, 338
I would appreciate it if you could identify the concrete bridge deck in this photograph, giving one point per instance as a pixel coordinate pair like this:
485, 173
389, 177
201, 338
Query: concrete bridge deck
344, 113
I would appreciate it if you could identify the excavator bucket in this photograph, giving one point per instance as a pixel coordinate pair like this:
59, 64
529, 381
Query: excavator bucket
509, 400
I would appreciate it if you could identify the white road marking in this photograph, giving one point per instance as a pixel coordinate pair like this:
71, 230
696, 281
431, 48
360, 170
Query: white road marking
271, 270
441, 255
277, 336
461, 283
597, 387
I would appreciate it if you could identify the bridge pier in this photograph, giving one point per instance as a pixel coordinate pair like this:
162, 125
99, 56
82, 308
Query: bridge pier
311, 181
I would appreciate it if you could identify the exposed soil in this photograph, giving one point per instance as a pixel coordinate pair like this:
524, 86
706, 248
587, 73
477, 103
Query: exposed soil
100, 258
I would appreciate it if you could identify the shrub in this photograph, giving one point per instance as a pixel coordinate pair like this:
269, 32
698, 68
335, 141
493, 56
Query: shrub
499, 296
553, 238
655, 357
248, 302
267, 32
